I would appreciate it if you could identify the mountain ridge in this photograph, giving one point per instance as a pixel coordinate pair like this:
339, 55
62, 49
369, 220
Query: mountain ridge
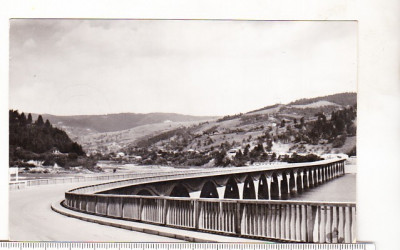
120, 130
117, 121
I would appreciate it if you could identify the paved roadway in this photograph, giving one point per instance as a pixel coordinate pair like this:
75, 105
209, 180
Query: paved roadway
31, 219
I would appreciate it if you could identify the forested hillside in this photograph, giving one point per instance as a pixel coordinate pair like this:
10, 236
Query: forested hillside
39, 140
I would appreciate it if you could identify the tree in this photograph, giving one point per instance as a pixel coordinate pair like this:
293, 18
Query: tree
239, 155
47, 124
260, 148
22, 119
340, 125
302, 121
76, 148
29, 121
219, 158
246, 150
239, 160
40, 121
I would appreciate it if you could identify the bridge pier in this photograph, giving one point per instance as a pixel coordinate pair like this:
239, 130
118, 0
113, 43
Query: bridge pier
334, 171
310, 178
320, 176
195, 194
241, 188
256, 187
328, 174
221, 191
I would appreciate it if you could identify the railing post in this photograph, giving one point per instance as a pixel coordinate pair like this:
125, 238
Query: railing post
303, 223
347, 225
328, 229
342, 163
95, 205
238, 219
353, 224
140, 208
196, 214
322, 224
311, 214
298, 227
121, 207
341, 225
220, 218
284, 222
293, 222
269, 216
107, 200
278, 221
335, 224
165, 211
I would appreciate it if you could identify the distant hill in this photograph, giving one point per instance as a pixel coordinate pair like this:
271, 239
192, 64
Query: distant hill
118, 122
321, 125
343, 99
317, 125
309, 106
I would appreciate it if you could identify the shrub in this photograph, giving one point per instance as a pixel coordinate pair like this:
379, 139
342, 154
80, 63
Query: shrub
339, 141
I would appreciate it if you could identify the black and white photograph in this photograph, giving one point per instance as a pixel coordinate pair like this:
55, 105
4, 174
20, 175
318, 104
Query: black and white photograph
172, 130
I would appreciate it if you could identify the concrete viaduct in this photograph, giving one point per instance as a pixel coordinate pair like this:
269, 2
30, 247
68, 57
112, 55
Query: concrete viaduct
262, 183
243, 201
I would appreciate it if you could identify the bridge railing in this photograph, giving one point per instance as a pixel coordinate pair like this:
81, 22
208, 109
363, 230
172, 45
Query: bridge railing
296, 221
177, 175
13, 185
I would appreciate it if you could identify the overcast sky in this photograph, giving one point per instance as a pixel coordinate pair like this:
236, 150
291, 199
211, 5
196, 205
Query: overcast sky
72, 67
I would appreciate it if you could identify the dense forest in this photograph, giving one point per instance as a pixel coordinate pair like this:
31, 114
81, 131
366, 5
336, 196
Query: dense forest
39, 140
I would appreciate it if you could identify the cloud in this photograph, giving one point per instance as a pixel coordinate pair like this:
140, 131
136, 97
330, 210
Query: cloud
193, 67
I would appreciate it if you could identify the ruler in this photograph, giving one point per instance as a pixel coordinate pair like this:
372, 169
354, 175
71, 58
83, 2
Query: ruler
178, 246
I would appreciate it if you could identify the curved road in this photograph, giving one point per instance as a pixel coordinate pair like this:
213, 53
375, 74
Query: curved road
31, 219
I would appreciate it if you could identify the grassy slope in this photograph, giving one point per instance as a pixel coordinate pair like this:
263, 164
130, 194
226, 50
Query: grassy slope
242, 138
271, 116
119, 139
